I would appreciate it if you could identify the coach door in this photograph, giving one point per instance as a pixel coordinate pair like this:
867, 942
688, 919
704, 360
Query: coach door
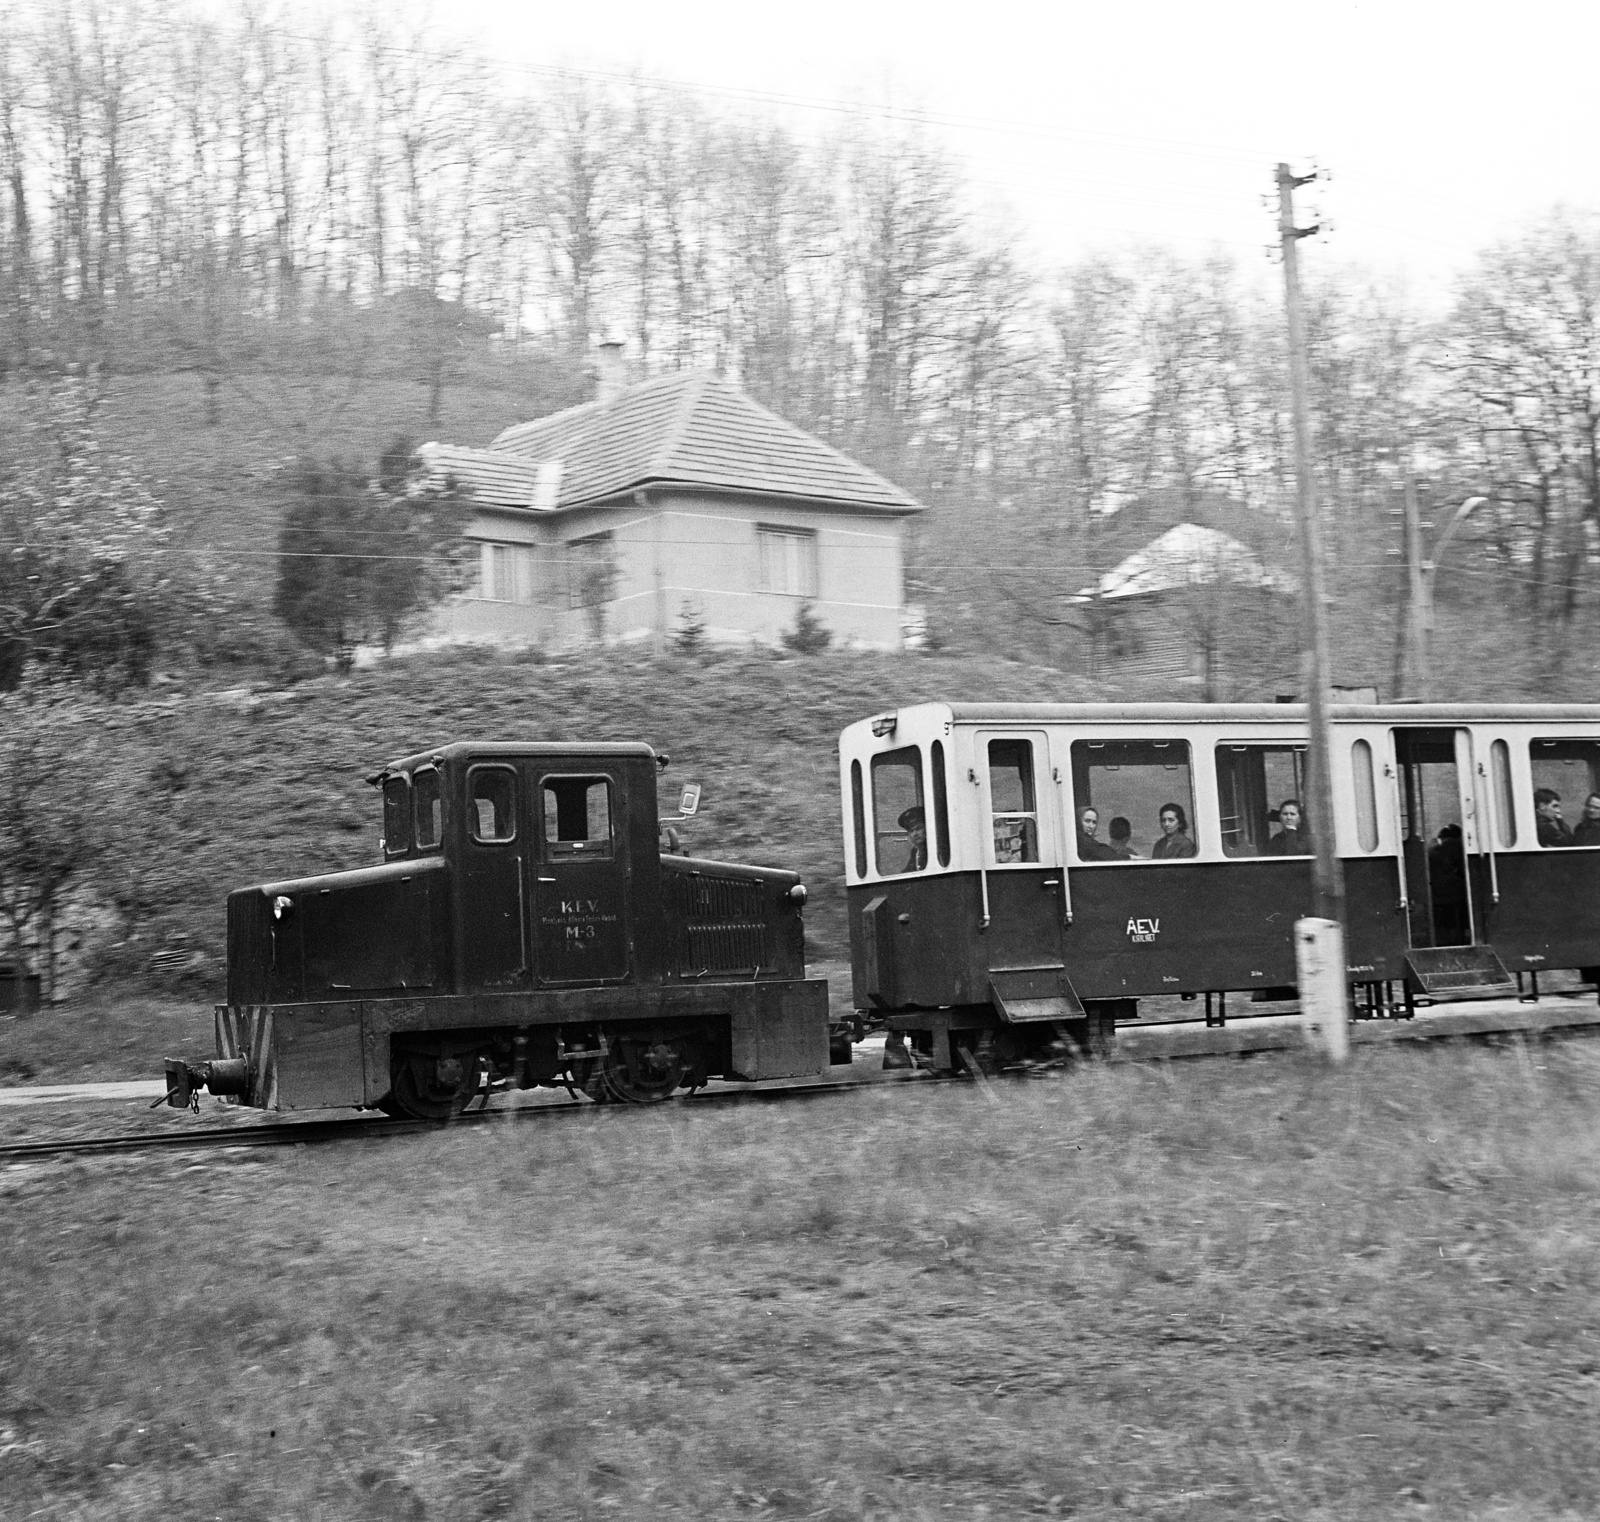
1446, 877
1024, 876
580, 909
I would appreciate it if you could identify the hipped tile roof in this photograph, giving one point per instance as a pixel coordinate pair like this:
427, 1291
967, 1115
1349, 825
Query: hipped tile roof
496, 479
689, 429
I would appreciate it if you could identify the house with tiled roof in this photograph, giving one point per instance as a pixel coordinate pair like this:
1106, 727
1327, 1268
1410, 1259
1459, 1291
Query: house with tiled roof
676, 500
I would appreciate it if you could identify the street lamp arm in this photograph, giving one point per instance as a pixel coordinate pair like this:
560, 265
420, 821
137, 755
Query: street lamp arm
1460, 516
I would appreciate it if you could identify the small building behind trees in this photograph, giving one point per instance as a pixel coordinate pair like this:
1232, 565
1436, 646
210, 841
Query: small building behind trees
678, 503
1194, 606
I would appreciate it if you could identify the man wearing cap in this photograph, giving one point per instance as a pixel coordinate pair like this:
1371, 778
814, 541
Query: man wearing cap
913, 822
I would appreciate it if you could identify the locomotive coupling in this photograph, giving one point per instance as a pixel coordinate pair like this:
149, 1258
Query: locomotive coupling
224, 1075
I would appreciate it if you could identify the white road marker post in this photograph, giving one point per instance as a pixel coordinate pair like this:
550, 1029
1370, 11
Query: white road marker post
1319, 966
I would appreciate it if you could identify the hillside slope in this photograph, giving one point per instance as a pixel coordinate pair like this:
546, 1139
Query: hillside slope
222, 789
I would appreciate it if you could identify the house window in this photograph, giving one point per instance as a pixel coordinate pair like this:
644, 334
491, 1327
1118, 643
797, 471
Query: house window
788, 560
502, 575
591, 570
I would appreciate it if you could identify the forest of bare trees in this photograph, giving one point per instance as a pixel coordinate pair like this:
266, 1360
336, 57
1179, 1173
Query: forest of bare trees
181, 193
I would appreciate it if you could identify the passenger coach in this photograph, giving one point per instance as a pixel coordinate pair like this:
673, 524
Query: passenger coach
1020, 875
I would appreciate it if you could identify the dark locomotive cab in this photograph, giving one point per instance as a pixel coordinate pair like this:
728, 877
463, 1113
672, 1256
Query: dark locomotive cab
524, 928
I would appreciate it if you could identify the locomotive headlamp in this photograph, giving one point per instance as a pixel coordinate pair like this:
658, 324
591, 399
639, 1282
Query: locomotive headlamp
282, 907
885, 724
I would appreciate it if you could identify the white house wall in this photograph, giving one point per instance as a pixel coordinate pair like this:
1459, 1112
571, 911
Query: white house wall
710, 559
680, 549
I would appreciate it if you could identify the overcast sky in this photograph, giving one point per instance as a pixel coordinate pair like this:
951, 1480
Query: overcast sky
1090, 126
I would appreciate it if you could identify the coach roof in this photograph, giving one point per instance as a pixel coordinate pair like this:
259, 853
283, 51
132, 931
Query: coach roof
1438, 714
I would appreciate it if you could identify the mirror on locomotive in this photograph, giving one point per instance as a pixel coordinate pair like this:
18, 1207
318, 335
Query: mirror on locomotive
1447, 883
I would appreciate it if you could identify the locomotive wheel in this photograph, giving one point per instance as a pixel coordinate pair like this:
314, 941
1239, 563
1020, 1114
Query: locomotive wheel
429, 1087
642, 1071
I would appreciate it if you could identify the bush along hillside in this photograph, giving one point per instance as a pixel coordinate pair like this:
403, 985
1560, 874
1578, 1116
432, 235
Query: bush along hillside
192, 794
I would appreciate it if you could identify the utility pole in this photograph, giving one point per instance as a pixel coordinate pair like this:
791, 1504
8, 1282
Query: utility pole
1319, 939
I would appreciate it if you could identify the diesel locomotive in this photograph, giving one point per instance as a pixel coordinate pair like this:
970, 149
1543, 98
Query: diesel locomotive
524, 928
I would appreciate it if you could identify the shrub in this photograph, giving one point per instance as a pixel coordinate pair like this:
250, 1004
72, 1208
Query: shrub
810, 636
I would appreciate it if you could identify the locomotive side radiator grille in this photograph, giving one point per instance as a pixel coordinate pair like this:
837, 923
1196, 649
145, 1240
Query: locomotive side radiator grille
721, 924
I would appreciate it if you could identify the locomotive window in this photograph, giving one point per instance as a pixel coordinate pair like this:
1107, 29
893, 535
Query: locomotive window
1260, 800
1012, 803
577, 816
1366, 795
429, 809
1505, 804
492, 812
941, 806
899, 819
1132, 783
396, 816
1570, 769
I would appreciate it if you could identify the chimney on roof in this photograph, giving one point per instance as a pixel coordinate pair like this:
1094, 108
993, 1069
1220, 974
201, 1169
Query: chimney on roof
611, 371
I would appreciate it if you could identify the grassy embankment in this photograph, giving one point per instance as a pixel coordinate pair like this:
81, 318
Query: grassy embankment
1210, 1291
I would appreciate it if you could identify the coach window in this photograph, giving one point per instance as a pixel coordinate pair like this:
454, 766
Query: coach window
1505, 803
492, 811
1260, 793
429, 810
577, 817
1566, 791
941, 807
898, 816
396, 816
858, 818
1366, 795
1013, 806
1143, 787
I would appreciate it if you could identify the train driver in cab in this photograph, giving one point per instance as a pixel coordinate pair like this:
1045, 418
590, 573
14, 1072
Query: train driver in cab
914, 822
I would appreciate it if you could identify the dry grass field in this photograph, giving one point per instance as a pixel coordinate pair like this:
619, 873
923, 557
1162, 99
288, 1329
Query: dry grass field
1200, 1290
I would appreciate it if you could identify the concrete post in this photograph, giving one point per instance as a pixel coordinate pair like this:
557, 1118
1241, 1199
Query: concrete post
1320, 967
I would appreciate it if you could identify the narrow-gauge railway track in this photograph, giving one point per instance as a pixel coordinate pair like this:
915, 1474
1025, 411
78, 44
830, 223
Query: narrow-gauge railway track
300, 1133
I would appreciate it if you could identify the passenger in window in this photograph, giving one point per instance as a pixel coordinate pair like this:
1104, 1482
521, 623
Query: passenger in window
1588, 830
1121, 833
914, 822
1291, 838
1553, 829
1090, 849
1174, 843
